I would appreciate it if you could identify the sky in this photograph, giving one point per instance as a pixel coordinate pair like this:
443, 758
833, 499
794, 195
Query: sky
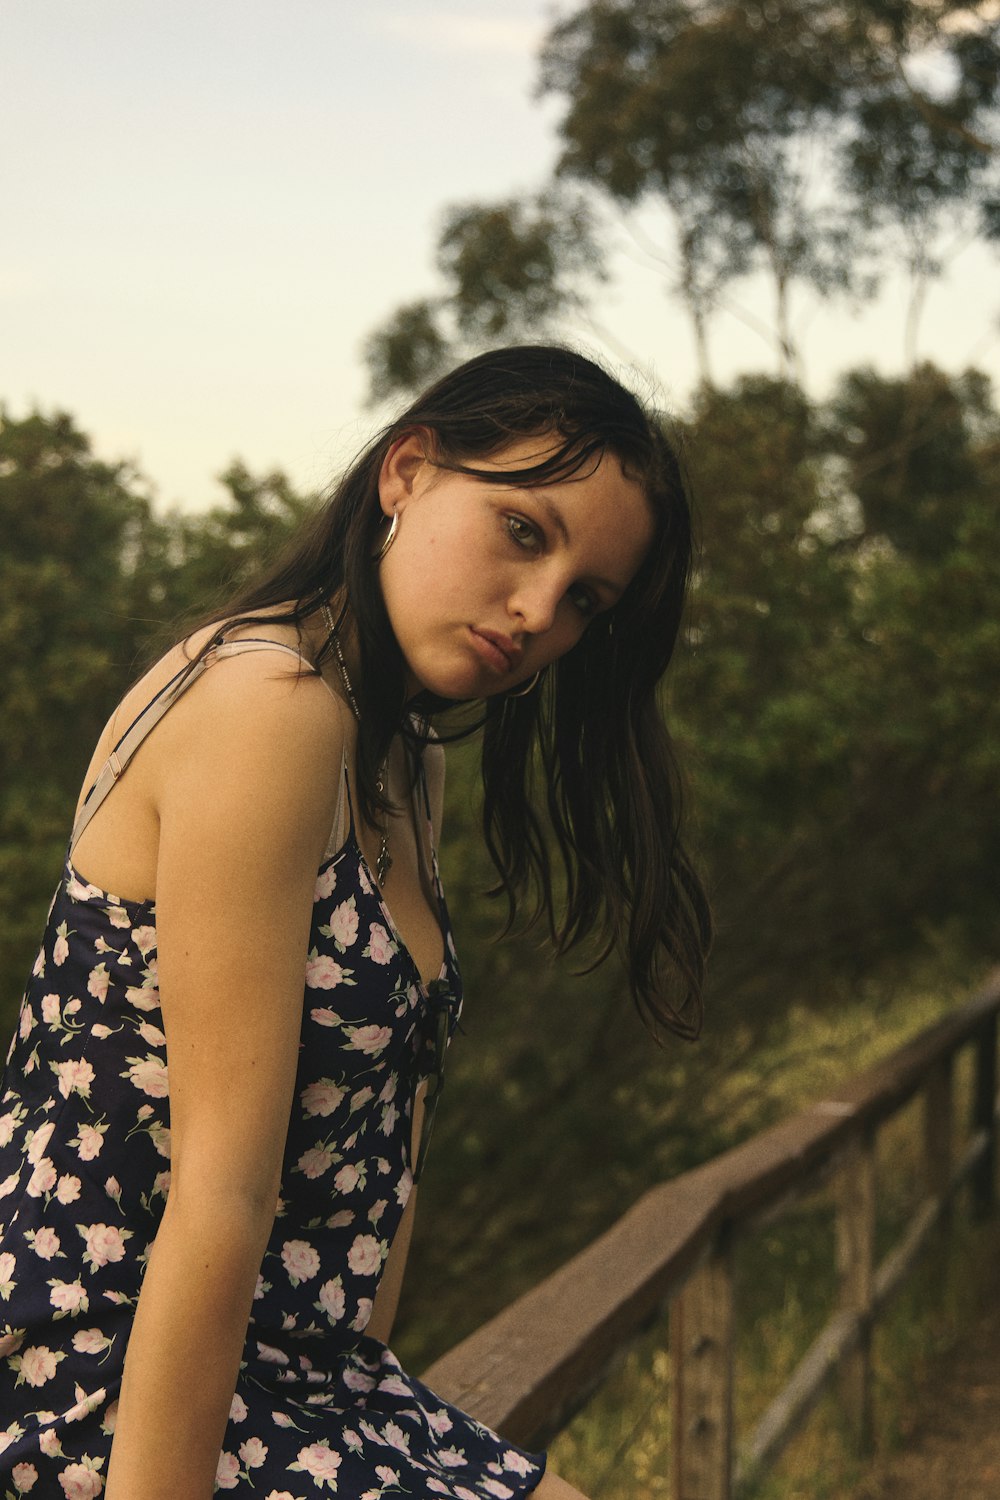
206, 207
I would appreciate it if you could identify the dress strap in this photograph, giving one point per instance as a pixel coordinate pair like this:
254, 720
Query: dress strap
150, 716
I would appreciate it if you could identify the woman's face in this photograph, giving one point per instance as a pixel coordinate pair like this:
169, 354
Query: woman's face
486, 584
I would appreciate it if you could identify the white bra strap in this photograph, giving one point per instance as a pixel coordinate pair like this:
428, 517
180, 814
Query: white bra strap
151, 715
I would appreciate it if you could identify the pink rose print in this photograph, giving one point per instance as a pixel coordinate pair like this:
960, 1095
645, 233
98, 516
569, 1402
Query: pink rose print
300, 1260
42, 1179
148, 1074
89, 1141
356, 1380
314, 1162
494, 1487
50, 1009
74, 1077
143, 997
101, 1032
436, 1487
452, 1458
320, 1463
394, 1385
347, 1179
321, 1097
24, 1477
37, 1364
331, 1299
68, 1296
280, 1495
253, 1453
110, 1419
325, 883
26, 1022
118, 916
152, 1035
364, 1256
68, 1190
104, 1243
361, 1098
439, 1422
516, 1462
340, 1219
10, 1342
380, 945
387, 1475
144, 939
81, 1482
271, 1356
45, 1243
227, 1475
323, 1016
323, 974
98, 981
84, 1404
360, 1323
60, 948
396, 1437
90, 1341
344, 924
39, 1141
8, 1265
368, 1039
7, 1124
281, 1419
238, 1409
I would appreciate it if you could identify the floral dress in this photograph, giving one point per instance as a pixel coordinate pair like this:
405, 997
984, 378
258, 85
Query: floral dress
319, 1407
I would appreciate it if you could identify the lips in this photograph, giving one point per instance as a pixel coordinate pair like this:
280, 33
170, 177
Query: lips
503, 653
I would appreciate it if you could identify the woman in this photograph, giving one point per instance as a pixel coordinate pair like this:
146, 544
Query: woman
519, 537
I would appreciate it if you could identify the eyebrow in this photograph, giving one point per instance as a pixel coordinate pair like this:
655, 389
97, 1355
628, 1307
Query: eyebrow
560, 526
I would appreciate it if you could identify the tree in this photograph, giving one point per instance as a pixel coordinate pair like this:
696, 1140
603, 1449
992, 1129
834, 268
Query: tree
512, 270
92, 584
815, 140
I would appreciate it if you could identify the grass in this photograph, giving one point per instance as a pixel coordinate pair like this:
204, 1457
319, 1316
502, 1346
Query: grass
618, 1448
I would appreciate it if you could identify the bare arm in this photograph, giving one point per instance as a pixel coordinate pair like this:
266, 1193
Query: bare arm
244, 771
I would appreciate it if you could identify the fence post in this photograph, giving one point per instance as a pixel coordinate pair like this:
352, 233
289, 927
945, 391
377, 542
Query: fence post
702, 1349
856, 1188
984, 1117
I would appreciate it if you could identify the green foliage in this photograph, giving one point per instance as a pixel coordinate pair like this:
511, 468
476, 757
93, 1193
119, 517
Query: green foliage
814, 140
511, 271
91, 581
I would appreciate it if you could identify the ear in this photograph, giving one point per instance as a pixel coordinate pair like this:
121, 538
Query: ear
403, 470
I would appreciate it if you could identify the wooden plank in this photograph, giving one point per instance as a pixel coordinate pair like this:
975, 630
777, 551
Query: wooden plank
530, 1367
702, 1353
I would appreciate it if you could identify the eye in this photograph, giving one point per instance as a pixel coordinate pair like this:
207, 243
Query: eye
523, 533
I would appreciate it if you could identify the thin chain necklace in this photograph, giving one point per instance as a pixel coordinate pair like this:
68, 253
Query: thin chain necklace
383, 863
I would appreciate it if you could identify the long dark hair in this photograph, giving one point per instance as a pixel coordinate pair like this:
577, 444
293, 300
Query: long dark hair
592, 731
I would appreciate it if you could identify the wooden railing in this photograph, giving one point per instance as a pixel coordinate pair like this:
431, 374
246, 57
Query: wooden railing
529, 1369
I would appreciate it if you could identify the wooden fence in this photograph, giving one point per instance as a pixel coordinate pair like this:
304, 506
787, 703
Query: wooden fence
529, 1369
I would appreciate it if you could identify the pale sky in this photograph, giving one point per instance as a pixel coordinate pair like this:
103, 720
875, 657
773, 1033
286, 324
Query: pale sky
207, 204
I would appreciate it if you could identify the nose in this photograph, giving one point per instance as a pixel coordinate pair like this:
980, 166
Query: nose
534, 602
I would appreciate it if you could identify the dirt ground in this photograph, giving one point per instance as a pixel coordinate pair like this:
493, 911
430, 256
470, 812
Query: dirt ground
952, 1450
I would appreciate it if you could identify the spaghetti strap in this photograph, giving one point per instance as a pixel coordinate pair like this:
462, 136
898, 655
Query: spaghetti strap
147, 719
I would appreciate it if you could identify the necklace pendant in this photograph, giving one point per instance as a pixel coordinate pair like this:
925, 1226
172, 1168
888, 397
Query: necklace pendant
383, 864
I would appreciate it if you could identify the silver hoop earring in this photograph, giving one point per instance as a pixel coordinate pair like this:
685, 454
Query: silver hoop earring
390, 537
526, 688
